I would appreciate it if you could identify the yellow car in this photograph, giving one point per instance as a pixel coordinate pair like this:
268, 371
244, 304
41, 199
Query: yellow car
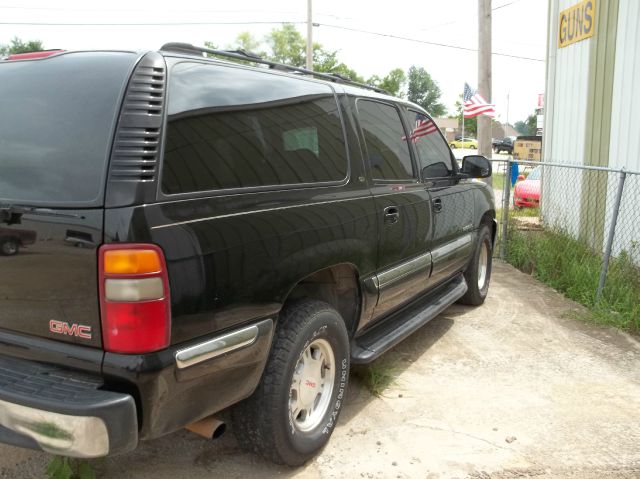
470, 143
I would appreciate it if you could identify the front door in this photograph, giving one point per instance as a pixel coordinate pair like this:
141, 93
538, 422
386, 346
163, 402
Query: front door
402, 204
452, 205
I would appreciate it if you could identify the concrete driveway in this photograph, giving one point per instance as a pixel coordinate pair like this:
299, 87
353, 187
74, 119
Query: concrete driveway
516, 388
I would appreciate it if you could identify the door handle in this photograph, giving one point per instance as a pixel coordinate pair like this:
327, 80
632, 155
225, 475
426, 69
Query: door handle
437, 205
391, 215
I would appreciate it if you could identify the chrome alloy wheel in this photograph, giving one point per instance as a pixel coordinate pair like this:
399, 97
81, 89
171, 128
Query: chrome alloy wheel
483, 264
312, 385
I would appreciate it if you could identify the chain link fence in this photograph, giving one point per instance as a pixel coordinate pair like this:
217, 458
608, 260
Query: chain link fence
588, 216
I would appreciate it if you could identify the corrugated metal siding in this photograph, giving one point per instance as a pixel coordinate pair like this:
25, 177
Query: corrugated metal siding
625, 134
567, 107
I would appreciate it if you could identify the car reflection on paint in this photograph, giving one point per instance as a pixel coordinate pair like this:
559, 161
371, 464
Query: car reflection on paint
11, 240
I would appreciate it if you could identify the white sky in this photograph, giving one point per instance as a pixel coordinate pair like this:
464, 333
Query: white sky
519, 28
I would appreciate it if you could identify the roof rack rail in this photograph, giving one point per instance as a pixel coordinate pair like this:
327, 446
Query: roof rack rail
253, 58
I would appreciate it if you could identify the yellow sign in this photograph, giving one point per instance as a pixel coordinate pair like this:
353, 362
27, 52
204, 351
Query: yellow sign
577, 23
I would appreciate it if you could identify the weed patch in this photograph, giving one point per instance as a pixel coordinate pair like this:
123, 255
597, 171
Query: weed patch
572, 268
377, 376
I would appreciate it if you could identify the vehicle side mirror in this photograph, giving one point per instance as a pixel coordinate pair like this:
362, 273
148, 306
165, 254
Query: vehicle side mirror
476, 166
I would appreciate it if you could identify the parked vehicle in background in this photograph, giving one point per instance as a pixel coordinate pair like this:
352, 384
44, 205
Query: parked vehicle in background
526, 193
244, 235
468, 143
11, 240
527, 148
505, 145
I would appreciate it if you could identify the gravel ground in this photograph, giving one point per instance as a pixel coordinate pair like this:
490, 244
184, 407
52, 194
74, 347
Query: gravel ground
517, 388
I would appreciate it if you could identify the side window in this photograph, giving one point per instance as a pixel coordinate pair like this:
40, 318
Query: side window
433, 153
236, 128
385, 139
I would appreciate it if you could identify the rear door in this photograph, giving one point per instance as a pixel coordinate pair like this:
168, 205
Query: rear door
452, 206
402, 205
57, 116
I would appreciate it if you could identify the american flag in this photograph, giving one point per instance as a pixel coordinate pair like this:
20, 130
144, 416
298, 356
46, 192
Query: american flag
423, 126
475, 105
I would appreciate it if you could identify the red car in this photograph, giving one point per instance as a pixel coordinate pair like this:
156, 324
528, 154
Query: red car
527, 191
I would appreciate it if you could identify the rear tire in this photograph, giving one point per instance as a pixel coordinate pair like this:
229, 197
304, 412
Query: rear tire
9, 247
294, 409
478, 273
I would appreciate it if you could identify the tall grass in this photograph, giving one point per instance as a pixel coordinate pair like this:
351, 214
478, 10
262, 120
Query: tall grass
572, 268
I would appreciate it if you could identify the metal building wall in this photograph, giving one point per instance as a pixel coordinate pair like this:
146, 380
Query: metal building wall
625, 128
565, 115
591, 98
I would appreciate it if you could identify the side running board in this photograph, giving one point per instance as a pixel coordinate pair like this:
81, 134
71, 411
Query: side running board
382, 337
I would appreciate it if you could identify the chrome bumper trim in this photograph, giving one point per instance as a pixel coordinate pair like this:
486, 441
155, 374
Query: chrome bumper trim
61, 434
216, 347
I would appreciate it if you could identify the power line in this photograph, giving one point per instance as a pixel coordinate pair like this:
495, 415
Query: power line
85, 9
415, 40
505, 5
339, 27
146, 24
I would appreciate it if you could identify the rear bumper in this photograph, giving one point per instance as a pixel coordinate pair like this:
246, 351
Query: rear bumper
63, 412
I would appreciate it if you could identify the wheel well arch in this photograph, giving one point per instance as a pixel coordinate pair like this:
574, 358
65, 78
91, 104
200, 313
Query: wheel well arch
489, 219
337, 285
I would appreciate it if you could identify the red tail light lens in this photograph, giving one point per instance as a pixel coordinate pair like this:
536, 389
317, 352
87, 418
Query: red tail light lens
134, 298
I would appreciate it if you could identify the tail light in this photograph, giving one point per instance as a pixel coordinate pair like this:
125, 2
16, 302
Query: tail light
134, 298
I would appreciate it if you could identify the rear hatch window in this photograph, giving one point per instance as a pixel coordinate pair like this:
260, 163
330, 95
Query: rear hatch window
57, 117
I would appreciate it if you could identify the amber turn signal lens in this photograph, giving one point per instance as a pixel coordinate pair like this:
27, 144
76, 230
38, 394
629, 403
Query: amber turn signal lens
131, 261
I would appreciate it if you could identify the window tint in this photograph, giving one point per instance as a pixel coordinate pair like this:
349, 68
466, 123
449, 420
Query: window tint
56, 119
234, 128
385, 140
433, 153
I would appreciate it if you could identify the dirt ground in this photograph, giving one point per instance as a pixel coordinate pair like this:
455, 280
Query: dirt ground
517, 388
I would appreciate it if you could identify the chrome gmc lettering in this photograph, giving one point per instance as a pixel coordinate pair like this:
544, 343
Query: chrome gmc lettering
62, 327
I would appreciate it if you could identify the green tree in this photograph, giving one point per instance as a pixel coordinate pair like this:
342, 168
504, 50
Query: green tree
394, 82
287, 45
520, 127
247, 42
18, 46
528, 127
423, 90
326, 61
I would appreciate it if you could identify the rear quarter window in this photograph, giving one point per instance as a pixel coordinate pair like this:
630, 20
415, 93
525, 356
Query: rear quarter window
231, 127
57, 117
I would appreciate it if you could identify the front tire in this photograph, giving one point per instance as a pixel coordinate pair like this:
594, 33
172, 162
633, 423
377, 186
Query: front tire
478, 272
294, 409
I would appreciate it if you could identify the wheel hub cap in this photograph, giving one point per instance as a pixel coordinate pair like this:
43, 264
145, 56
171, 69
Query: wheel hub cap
312, 385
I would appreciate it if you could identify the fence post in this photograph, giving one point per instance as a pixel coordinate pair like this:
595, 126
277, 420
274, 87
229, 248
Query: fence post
505, 210
610, 238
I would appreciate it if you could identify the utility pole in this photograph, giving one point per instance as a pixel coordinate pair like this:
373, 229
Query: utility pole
484, 74
309, 36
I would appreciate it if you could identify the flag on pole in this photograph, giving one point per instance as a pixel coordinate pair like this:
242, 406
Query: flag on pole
475, 105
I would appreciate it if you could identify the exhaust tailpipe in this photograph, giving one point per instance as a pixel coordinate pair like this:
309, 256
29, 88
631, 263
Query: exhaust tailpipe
210, 427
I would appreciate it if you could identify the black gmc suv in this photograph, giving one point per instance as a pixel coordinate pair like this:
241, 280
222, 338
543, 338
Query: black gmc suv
212, 234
